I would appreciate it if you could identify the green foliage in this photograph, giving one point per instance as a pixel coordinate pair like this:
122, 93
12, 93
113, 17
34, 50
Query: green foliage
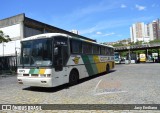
123, 54
136, 43
3, 37
140, 51
139, 43
118, 45
154, 41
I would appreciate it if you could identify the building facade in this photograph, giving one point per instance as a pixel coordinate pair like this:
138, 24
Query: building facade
19, 27
138, 32
158, 28
145, 32
152, 30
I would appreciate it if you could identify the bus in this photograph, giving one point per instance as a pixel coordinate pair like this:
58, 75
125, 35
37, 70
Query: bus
117, 58
53, 59
142, 57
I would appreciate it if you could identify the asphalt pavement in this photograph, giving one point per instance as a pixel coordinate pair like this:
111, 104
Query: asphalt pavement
125, 84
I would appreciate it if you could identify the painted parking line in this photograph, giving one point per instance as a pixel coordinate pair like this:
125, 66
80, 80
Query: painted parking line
105, 93
110, 87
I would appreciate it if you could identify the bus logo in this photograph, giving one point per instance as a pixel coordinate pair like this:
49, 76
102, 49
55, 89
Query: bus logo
76, 60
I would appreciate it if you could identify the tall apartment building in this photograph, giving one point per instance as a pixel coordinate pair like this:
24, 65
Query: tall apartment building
158, 28
138, 32
154, 30
141, 32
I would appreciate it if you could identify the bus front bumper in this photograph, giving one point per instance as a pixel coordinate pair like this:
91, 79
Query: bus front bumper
40, 82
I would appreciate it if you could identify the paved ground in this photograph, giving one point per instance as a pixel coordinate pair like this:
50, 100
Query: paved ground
126, 84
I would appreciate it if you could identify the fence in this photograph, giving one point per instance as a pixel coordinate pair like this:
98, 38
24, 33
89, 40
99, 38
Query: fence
8, 64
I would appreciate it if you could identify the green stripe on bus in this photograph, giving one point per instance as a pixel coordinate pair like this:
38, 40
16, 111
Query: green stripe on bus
93, 65
89, 64
34, 71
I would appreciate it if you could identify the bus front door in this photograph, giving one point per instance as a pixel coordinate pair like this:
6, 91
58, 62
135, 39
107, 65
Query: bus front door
58, 58
61, 54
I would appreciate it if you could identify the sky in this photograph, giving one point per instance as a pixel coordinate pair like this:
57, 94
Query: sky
102, 20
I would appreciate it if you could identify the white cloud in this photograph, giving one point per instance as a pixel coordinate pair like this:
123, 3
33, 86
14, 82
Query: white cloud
109, 34
110, 24
140, 8
81, 12
104, 34
123, 6
98, 33
104, 25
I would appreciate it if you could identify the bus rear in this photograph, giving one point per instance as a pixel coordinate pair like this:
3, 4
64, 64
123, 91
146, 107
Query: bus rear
142, 57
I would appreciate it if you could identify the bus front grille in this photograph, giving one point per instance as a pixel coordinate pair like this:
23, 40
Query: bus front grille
25, 74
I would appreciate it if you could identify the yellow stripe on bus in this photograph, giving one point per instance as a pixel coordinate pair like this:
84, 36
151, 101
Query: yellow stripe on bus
42, 71
100, 65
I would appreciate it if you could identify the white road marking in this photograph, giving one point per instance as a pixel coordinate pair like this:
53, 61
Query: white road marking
97, 85
104, 93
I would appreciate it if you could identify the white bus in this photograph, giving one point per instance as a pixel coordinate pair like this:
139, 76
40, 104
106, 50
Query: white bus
53, 59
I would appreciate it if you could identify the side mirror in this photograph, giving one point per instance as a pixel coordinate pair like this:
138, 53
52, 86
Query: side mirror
56, 51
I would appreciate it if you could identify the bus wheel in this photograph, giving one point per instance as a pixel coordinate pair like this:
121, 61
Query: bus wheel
107, 68
73, 77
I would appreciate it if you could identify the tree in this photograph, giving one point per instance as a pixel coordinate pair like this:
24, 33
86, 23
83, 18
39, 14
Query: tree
155, 41
118, 45
3, 37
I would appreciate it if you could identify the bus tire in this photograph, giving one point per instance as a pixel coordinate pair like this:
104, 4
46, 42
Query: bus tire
107, 68
73, 77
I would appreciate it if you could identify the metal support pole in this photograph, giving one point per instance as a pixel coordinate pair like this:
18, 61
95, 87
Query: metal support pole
16, 62
3, 58
146, 52
129, 56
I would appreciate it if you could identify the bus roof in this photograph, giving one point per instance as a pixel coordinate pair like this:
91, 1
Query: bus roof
49, 35
45, 35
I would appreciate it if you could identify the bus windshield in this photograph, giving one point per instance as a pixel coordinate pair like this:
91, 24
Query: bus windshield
116, 56
36, 53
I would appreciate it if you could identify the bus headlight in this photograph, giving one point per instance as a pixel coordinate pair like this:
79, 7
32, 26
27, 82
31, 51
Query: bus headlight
20, 74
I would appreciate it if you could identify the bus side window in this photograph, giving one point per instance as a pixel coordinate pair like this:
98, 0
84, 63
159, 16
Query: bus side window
87, 48
96, 49
76, 46
102, 50
107, 51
